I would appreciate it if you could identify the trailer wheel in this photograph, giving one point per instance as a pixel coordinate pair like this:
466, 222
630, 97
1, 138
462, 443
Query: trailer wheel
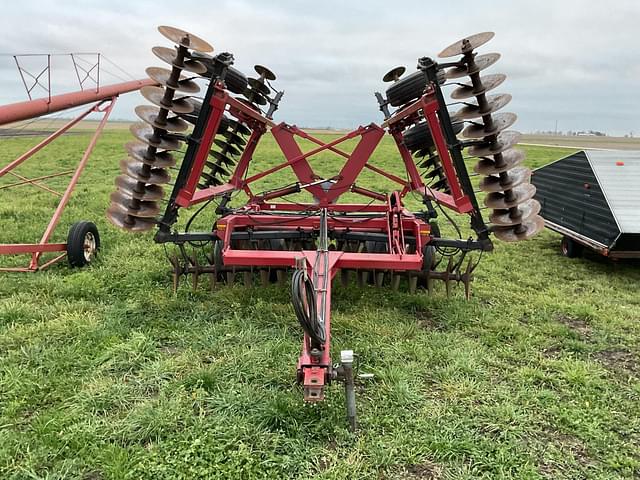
570, 248
83, 243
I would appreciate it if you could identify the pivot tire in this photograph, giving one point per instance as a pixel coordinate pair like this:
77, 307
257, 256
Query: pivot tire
407, 89
83, 243
570, 248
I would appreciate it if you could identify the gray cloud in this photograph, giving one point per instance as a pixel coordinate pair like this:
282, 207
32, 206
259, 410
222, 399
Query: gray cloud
573, 61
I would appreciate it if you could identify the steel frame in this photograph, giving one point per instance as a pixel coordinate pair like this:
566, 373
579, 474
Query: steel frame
36, 250
384, 216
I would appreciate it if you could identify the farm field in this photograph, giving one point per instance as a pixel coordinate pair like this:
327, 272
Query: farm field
105, 373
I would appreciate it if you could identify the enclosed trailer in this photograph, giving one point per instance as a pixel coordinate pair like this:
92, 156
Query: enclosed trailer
592, 198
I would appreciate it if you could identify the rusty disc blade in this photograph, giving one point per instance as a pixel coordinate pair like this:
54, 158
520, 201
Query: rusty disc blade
501, 121
226, 147
144, 209
150, 115
521, 193
168, 55
505, 141
472, 110
140, 152
394, 74
506, 180
522, 231
259, 86
254, 96
133, 189
163, 77
481, 62
145, 133
239, 127
525, 211
185, 39
156, 94
488, 83
135, 170
510, 159
222, 158
264, 72
466, 44
129, 222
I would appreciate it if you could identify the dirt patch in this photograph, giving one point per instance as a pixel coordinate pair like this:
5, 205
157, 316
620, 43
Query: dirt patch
567, 444
620, 361
425, 319
578, 325
552, 352
419, 471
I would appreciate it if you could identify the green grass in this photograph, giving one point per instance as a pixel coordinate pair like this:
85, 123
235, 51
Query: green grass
105, 373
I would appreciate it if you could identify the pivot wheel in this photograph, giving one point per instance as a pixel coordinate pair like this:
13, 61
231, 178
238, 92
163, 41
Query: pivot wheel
83, 243
570, 248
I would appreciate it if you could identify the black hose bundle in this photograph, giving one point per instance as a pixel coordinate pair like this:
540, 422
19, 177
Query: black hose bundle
304, 304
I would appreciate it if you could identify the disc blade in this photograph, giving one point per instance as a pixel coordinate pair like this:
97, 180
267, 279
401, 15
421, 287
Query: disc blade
234, 138
489, 82
239, 127
216, 171
163, 77
222, 158
149, 114
430, 162
226, 147
254, 96
168, 55
258, 86
505, 141
471, 111
185, 39
128, 222
264, 72
521, 194
133, 189
440, 185
481, 62
394, 74
156, 94
523, 231
466, 44
510, 159
145, 209
435, 173
145, 133
501, 121
135, 170
525, 211
512, 179
140, 152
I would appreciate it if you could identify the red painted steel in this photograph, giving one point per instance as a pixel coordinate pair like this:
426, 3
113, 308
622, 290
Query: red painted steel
385, 216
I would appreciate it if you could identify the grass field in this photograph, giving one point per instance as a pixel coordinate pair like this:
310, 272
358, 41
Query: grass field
105, 373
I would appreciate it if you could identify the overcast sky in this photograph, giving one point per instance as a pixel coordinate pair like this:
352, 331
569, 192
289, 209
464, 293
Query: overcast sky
574, 62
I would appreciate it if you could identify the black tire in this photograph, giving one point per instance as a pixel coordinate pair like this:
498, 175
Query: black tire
407, 89
419, 136
570, 248
83, 243
410, 88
